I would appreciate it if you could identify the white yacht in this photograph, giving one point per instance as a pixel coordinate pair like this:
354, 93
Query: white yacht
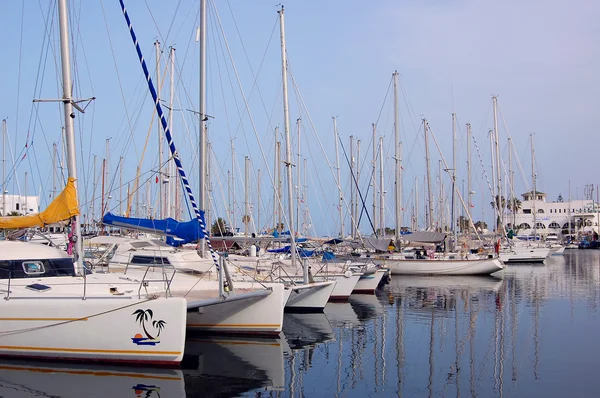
49, 312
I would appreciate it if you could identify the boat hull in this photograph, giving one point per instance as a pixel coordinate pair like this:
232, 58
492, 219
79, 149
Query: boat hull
96, 329
367, 284
310, 297
525, 255
244, 314
444, 267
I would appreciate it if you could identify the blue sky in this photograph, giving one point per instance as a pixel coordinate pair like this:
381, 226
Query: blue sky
539, 57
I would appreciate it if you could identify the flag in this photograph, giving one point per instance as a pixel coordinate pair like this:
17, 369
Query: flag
157, 179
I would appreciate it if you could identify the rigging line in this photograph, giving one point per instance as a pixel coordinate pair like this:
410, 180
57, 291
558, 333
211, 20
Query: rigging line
454, 185
271, 177
384, 101
112, 51
313, 128
359, 192
19, 69
167, 132
525, 179
255, 76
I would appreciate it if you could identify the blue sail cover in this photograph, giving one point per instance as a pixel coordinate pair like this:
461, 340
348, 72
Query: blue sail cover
187, 232
288, 249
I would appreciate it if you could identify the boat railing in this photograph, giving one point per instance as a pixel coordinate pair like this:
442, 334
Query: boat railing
167, 273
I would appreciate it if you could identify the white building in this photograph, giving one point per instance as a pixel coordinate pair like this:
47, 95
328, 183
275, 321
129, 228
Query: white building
21, 204
554, 217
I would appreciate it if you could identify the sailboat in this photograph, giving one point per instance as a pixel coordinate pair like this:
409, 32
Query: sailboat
213, 302
53, 309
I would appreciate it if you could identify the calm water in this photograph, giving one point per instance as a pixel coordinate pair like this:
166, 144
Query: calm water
535, 332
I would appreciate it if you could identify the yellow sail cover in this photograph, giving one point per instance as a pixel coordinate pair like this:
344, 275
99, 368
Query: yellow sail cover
63, 207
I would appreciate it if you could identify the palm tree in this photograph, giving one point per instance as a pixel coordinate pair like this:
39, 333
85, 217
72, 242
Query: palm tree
245, 219
514, 205
142, 316
159, 325
498, 203
218, 227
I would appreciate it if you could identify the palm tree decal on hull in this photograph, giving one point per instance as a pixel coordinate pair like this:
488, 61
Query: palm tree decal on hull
143, 316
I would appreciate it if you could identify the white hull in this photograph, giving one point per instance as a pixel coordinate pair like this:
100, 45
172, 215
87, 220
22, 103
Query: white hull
63, 326
555, 251
243, 313
525, 255
25, 379
368, 282
310, 297
344, 284
444, 267
468, 283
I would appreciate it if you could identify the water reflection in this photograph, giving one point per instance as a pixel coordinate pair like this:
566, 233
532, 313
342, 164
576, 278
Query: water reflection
530, 332
24, 379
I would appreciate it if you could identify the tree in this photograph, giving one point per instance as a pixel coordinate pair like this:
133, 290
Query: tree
498, 203
514, 205
246, 219
13, 213
481, 225
218, 227
463, 223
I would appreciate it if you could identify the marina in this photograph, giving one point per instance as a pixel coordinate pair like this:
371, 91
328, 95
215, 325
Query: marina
417, 336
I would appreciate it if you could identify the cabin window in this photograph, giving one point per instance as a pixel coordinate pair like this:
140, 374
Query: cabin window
33, 267
149, 260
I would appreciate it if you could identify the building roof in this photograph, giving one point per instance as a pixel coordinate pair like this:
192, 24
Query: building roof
530, 192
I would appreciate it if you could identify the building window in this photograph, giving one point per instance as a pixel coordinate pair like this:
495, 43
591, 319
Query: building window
540, 210
526, 211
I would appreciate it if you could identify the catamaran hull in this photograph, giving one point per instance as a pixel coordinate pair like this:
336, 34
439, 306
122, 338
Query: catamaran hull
367, 284
96, 329
444, 267
310, 297
252, 313
344, 285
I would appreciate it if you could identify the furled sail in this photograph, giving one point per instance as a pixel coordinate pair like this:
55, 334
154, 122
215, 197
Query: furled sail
189, 231
63, 207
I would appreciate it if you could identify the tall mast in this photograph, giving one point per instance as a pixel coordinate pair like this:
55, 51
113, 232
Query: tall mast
102, 196
121, 186
246, 194
416, 226
208, 182
454, 175
54, 164
203, 118
65, 57
288, 144
428, 167
339, 179
94, 191
442, 209
398, 160
4, 167
276, 182
107, 178
171, 165
469, 188
374, 178
298, 188
160, 136
258, 205
356, 193
279, 201
534, 192
495, 194
498, 162
233, 219
352, 223
511, 187
381, 190
26, 207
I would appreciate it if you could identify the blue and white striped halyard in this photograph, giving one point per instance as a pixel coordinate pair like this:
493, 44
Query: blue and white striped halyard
165, 126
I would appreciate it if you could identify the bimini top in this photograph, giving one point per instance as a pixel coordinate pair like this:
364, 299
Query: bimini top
15, 250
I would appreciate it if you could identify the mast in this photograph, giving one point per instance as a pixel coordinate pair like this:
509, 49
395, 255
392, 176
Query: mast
469, 188
246, 194
288, 145
279, 202
454, 174
232, 211
298, 187
569, 218
102, 196
276, 182
170, 166
498, 163
441, 199
534, 192
258, 206
65, 57
54, 156
416, 226
26, 209
356, 198
429, 190
352, 222
381, 190
121, 186
160, 136
494, 192
107, 178
208, 182
339, 179
203, 118
94, 193
398, 161
374, 178
4, 191
511, 180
